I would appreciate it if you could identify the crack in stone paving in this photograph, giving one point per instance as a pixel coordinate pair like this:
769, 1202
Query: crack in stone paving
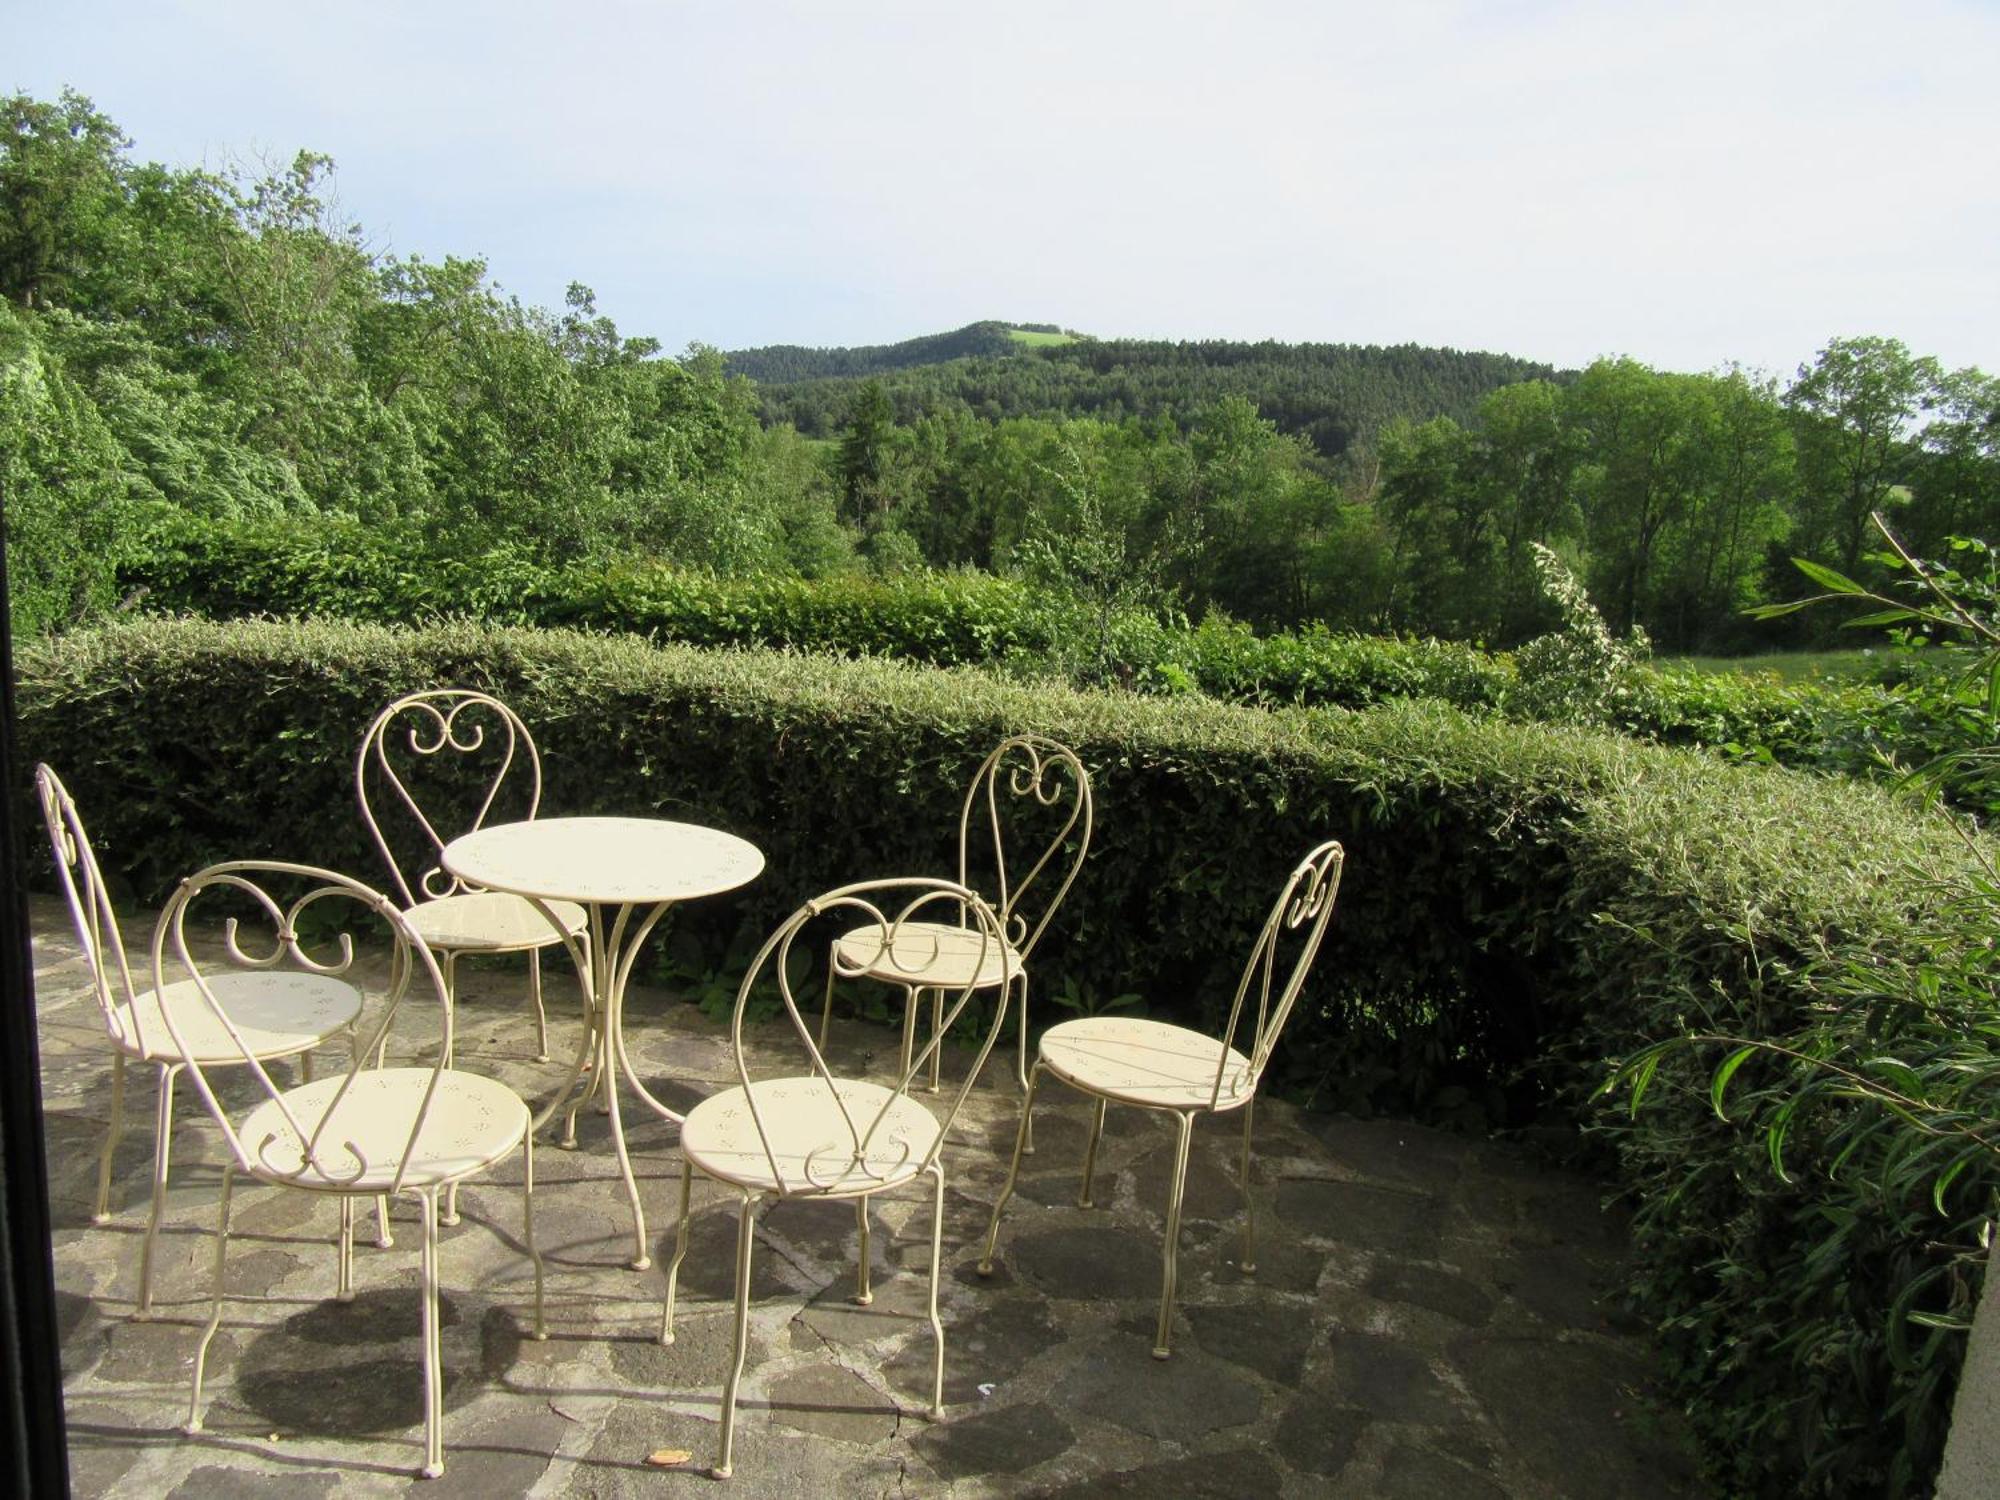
840, 1362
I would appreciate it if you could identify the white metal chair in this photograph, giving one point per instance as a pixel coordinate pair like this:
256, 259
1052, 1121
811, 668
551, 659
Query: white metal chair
373, 1130
442, 736
1039, 776
1157, 1065
817, 1136
272, 1015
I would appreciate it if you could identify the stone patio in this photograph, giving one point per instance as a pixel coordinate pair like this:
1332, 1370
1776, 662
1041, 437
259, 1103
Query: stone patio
1429, 1315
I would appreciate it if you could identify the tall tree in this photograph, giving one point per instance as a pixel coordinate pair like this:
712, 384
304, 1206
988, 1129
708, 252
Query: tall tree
1955, 480
1446, 543
1855, 406
864, 450
1529, 448
1644, 431
62, 193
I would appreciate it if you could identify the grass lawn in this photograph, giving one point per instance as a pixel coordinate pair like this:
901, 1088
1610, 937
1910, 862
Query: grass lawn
1793, 666
1040, 340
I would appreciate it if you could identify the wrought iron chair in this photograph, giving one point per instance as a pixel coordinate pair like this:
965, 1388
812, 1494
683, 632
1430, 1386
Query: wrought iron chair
1039, 775
371, 1131
1156, 1065
272, 1015
818, 1136
413, 735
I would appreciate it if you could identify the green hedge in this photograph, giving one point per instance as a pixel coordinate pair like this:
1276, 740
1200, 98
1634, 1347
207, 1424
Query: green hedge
1522, 904
337, 570
230, 570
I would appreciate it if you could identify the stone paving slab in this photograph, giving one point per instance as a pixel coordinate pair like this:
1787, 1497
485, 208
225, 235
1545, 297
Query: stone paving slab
1428, 1315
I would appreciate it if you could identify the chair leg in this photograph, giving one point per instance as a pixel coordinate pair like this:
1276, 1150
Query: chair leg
680, 1251
344, 1275
450, 1214
937, 1037
541, 1015
528, 1227
433, 1346
1162, 1338
937, 1324
102, 1215
215, 1294
745, 1232
450, 994
1090, 1154
1249, 1262
383, 1239
163, 1143
1021, 1036
1013, 1169
862, 1295
1021, 1062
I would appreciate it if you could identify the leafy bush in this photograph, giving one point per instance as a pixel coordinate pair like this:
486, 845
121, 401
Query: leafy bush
1894, 1073
1576, 673
59, 480
341, 570
1522, 905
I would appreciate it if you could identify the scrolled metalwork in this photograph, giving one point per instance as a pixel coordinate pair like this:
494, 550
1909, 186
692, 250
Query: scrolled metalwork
174, 952
1156, 1065
305, 1163
285, 941
1305, 902
1045, 773
865, 1165
1317, 882
839, 1141
303, 1136
429, 725
891, 929
91, 915
1024, 773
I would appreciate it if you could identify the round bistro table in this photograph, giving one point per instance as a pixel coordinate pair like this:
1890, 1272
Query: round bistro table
627, 873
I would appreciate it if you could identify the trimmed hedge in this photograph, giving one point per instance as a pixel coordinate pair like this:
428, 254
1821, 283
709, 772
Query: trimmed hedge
1522, 905
231, 570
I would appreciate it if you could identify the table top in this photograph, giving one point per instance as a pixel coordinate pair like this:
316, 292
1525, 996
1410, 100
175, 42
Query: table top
604, 860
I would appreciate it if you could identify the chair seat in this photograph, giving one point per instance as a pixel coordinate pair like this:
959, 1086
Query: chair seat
812, 1141
1149, 1063
277, 1013
473, 1123
927, 954
491, 922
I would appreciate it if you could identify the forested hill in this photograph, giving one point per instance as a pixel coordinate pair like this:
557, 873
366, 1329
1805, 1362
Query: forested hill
795, 362
1333, 394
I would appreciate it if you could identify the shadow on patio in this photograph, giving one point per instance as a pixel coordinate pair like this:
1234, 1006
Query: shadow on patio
1431, 1315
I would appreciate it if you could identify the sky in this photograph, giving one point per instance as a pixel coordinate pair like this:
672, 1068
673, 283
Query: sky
1687, 184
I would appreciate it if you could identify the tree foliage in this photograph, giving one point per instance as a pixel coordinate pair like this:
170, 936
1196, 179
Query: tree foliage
227, 345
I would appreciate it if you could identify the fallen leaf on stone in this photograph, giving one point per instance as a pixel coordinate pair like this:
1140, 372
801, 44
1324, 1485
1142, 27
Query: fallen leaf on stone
666, 1458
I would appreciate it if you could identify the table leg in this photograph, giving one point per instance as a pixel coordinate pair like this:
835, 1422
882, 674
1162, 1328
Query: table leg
623, 948
606, 968
590, 1044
